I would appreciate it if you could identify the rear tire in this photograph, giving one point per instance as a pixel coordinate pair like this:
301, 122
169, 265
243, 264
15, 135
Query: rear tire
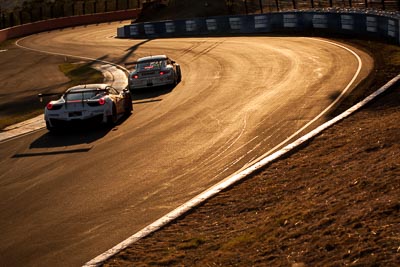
50, 128
113, 118
178, 71
128, 105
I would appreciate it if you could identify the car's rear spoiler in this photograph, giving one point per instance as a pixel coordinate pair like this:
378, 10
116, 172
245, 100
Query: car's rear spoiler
84, 90
145, 61
46, 95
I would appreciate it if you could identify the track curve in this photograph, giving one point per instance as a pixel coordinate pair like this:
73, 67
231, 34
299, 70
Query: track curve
68, 198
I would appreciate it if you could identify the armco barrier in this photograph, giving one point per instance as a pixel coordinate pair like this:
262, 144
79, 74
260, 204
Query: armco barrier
355, 23
59, 23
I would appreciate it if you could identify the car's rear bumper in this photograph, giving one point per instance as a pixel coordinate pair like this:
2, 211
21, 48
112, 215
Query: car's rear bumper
76, 122
149, 83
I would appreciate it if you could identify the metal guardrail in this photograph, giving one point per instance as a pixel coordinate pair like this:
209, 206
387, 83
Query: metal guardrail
38, 11
351, 22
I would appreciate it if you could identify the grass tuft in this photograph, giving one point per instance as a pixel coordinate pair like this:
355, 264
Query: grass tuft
238, 242
191, 244
80, 73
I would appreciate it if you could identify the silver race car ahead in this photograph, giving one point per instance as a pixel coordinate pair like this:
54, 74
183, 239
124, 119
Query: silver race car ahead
154, 71
82, 104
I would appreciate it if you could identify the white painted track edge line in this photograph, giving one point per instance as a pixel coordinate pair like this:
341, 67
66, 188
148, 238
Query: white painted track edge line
342, 94
231, 180
7, 139
68, 55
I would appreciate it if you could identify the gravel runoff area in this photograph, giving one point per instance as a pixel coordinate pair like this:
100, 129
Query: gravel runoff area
333, 202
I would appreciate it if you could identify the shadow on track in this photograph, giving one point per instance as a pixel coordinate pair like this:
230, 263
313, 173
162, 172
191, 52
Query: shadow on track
131, 50
145, 95
68, 141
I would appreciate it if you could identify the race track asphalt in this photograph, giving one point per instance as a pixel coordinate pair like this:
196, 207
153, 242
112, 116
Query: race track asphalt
69, 197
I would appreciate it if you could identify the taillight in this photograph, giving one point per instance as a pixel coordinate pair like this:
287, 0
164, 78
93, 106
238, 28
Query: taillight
135, 76
51, 106
164, 72
97, 102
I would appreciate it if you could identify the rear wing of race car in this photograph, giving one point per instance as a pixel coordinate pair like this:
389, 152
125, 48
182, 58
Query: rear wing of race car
47, 95
41, 96
146, 61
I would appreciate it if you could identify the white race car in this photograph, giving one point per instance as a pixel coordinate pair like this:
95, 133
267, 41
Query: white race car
154, 71
82, 104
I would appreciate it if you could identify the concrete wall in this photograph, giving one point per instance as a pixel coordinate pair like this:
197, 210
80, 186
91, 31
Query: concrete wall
58, 23
373, 25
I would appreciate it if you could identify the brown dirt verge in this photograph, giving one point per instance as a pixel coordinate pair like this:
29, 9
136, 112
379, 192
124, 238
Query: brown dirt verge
335, 202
